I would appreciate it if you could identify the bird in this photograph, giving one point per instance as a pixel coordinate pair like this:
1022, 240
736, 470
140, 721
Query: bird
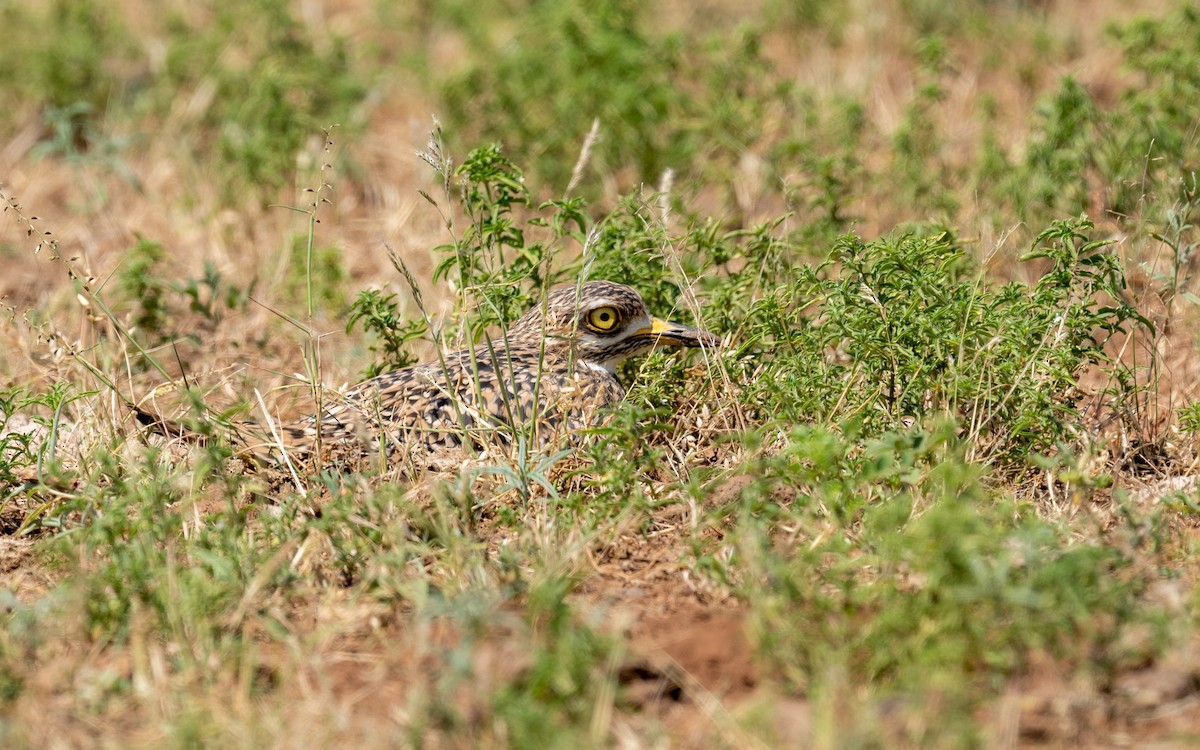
548, 378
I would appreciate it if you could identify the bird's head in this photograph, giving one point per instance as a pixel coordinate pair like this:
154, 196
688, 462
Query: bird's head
602, 323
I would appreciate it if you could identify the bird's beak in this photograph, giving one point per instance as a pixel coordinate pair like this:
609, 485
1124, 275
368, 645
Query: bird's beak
674, 334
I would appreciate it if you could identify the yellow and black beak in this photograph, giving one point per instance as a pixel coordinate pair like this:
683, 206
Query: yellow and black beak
674, 334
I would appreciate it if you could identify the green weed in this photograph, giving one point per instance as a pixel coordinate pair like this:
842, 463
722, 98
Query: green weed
18, 448
211, 296
138, 283
380, 317
917, 146
653, 94
71, 58
1127, 156
272, 86
917, 333
895, 566
324, 278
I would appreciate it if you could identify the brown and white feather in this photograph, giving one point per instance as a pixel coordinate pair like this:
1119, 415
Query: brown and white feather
551, 376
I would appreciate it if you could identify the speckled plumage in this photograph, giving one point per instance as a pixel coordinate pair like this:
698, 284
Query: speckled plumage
546, 380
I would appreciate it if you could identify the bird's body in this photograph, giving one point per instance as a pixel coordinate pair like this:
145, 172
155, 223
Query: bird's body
483, 397
547, 378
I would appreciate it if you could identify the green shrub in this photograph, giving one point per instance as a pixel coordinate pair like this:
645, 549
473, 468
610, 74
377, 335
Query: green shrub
139, 285
18, 448
321, 275
74, 58
906, 328
662, 101
1127, 155
380, 317
893, 566
273, 85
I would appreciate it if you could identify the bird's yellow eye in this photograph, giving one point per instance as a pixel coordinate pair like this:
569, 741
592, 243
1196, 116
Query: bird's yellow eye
603, 319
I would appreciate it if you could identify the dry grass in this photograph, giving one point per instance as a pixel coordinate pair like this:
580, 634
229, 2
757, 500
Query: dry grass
327, 661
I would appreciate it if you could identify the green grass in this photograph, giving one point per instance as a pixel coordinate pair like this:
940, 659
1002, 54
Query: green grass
958, 337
